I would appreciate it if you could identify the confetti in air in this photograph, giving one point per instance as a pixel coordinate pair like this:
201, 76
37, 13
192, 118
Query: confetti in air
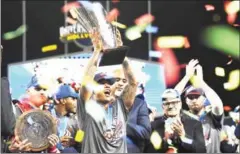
171, 66
227, 108
134, 32
231, 8
230, 60
222, 38
115, 1
209, 7
219, 71
67, 7
112, 15
172, 42
233, 81
231, 18
14, 34
119, 25
145, 19
155, 54
156, 140
48, 48
151, 29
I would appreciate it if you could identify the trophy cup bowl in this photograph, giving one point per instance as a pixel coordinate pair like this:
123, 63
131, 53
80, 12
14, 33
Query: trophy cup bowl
92, 16
36, 125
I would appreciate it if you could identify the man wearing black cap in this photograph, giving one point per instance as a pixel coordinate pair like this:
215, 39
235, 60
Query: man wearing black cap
195, 98
177, 130
101, 117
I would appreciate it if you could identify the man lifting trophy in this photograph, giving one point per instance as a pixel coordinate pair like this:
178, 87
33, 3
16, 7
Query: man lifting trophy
92, 16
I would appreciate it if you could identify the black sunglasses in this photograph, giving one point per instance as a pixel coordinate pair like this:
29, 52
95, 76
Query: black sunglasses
171, 103
106, 81
39, 88
192, 97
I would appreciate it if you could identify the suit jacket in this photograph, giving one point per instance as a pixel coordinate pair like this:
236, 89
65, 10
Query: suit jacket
8, 120
7, 116
193, 142
138, 126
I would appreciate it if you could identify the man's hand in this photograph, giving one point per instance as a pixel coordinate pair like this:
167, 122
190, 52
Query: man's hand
96, 40
199, 74
190, 68
65, 140
178, 128
53, 140
20, 146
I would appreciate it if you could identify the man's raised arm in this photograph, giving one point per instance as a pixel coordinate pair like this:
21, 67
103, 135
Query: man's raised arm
91, 68
129, 92
190, 69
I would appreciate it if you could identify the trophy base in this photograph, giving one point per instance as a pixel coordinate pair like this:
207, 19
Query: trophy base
114, 56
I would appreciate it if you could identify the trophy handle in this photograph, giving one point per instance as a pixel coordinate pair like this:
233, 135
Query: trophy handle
119, 38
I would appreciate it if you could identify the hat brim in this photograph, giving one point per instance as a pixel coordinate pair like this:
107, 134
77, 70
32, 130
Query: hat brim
171, 100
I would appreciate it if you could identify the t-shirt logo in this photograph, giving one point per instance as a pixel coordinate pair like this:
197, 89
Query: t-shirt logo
116, 132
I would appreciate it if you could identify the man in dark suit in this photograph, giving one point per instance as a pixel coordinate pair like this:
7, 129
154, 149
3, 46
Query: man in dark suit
178, 130
138, 126
7, 116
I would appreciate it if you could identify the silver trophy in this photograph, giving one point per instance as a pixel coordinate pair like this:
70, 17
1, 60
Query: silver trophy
92, 15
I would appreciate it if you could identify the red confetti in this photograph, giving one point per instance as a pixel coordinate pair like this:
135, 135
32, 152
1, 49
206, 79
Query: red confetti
230, 60
209, 7
186, 43
145, 19
115, 1
227, 108
112, 15
70, 5
183, 66
231, 18
226, 3
171, 66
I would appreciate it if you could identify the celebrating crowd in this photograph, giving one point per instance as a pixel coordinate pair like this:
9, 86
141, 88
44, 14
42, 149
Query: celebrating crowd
106, 115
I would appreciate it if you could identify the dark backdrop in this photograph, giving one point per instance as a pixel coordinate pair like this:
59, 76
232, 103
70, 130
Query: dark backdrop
172, 17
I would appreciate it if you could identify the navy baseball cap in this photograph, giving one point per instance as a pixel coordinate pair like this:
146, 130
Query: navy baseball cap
104, 76
65, 91
193, 91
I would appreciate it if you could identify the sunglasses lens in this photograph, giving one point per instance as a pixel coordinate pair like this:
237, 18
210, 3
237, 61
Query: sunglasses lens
38, 88
107, 81
191, 97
